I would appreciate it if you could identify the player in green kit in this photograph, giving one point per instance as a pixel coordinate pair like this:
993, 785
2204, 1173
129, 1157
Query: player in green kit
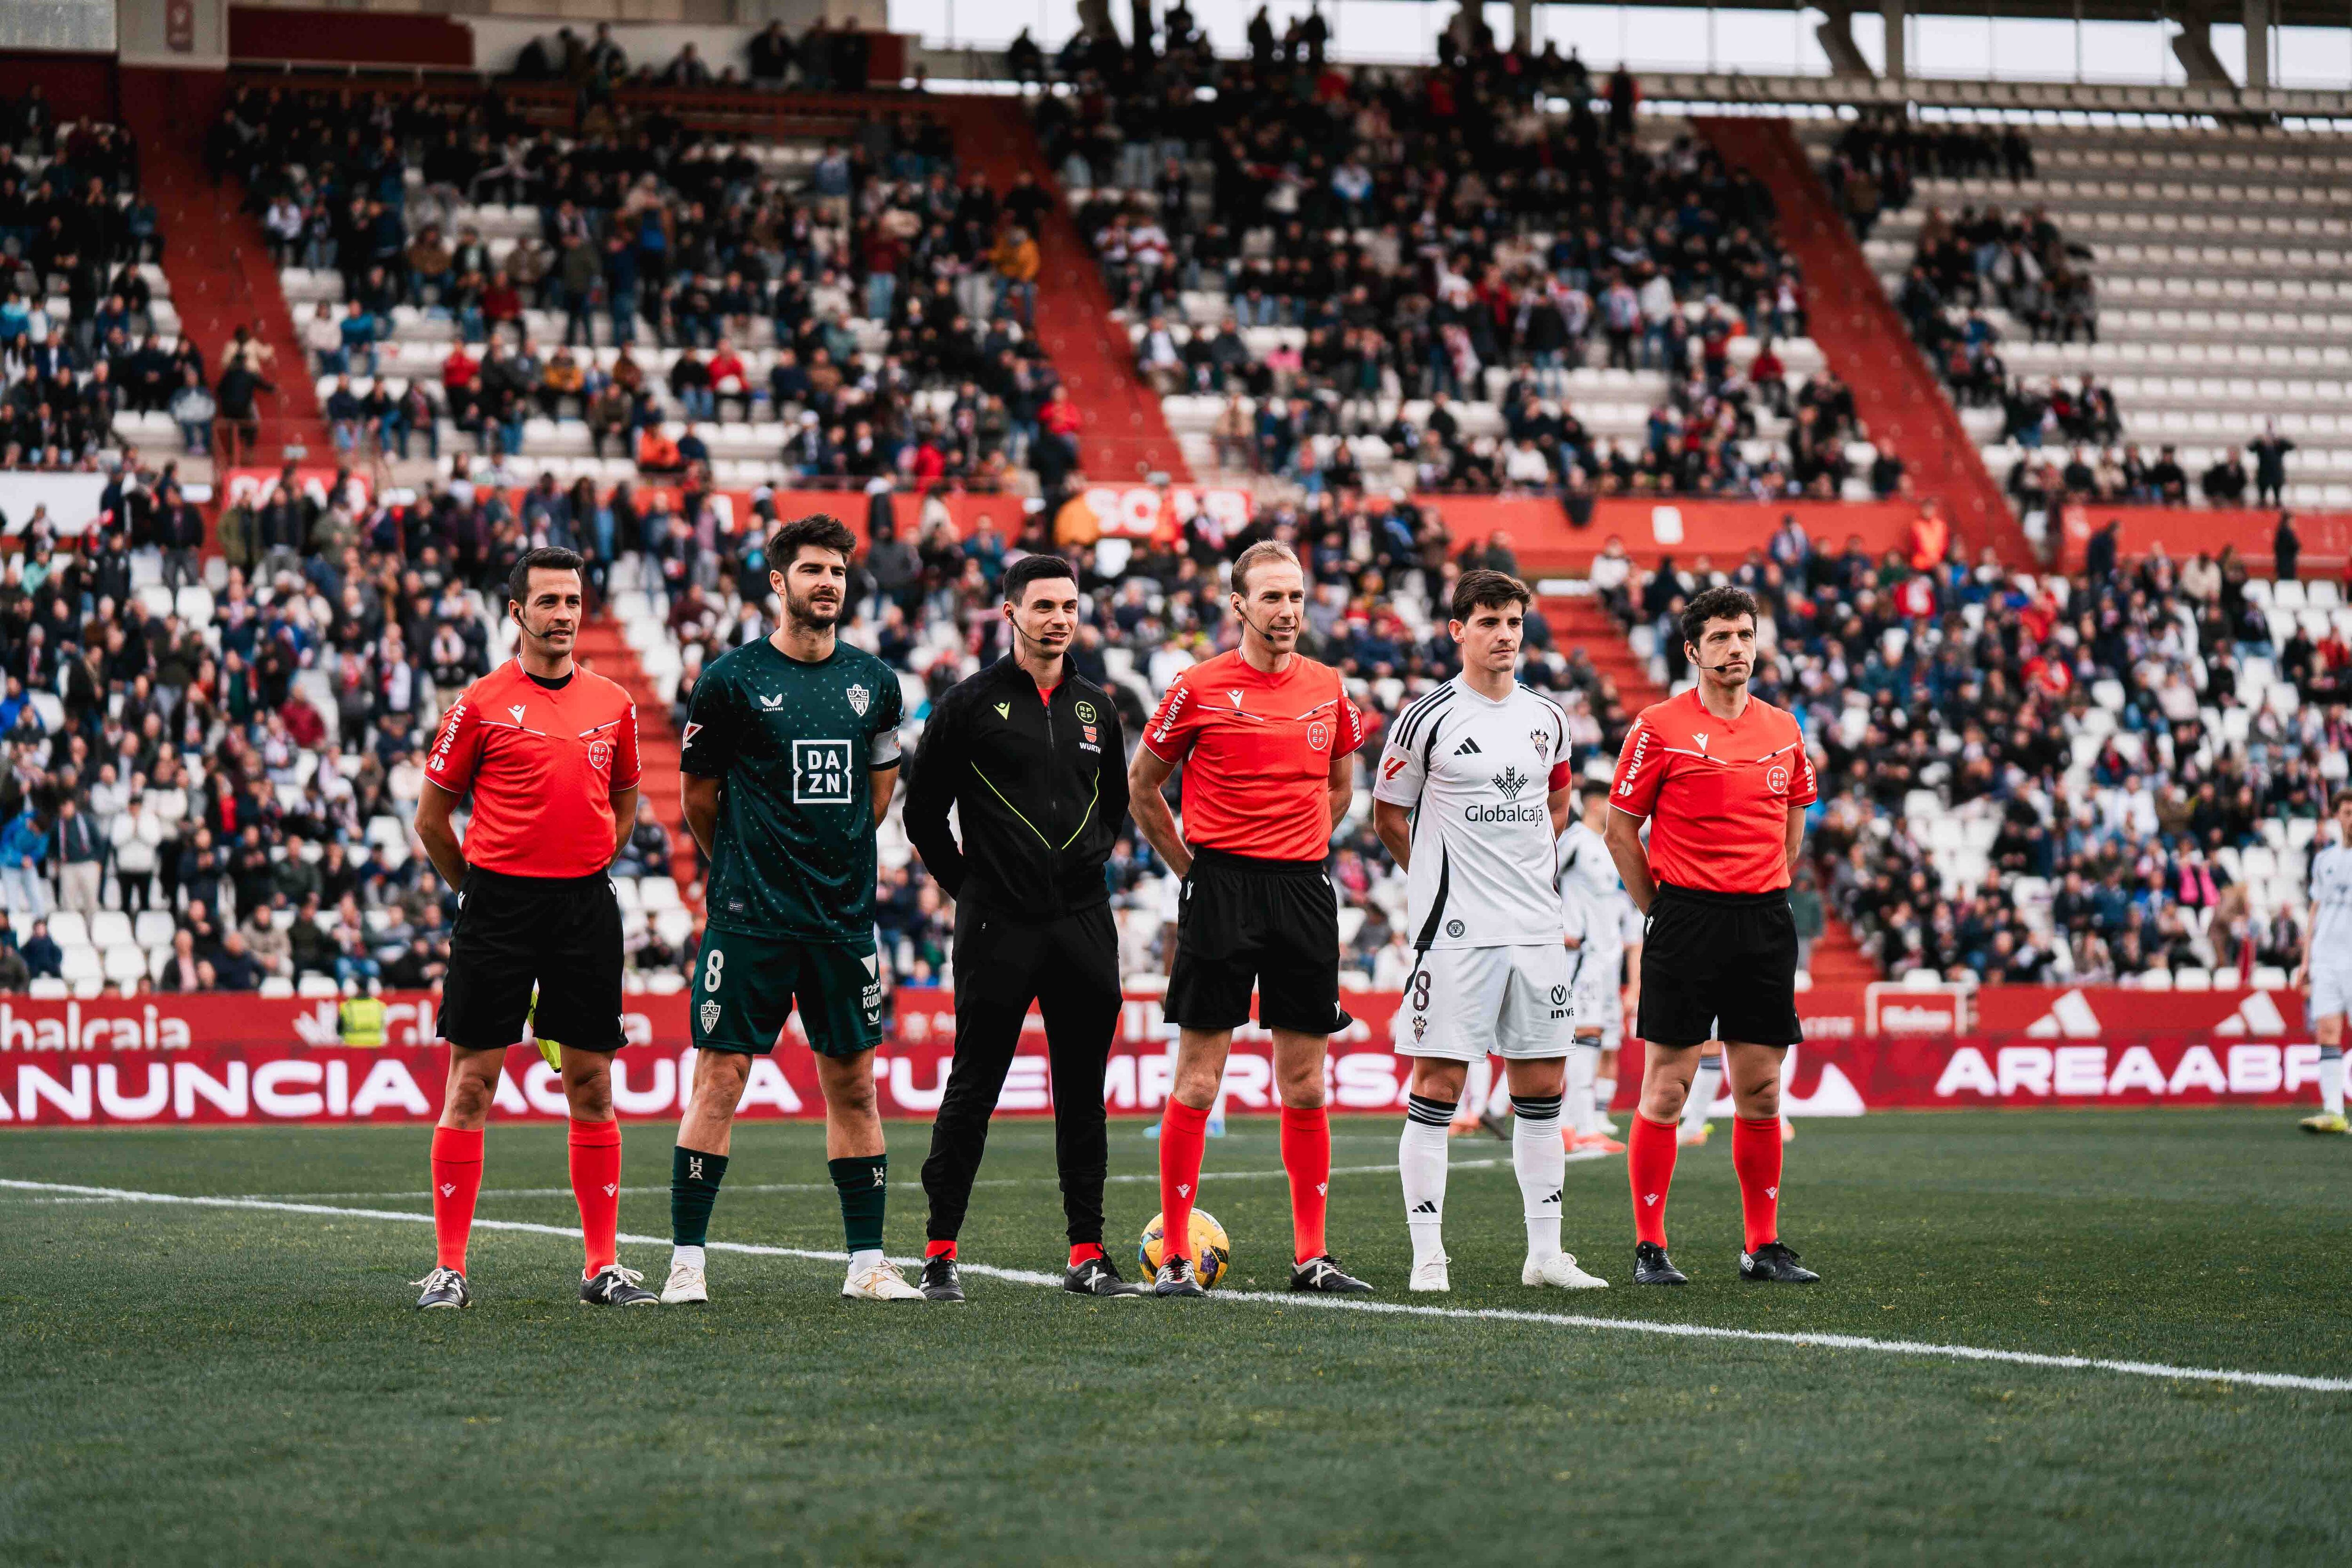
790, 754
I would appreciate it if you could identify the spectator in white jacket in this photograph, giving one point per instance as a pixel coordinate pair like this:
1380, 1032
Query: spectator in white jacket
136, 834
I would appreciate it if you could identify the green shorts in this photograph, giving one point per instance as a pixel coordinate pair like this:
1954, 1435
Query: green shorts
744, 987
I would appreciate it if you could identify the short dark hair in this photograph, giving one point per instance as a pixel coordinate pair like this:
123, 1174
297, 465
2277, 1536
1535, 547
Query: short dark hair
816, 528
1487, 590
1034, 569
546, 558
2343, 798
1724, 604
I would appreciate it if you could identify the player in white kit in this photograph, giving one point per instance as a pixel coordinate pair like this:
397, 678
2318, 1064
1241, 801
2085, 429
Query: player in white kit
1604, 942
1473, 789
2327, 965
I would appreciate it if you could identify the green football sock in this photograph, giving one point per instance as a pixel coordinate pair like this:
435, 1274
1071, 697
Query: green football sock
864, 1180
694, 1178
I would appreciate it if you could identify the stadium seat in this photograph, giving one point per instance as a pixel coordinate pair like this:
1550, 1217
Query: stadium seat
317, 985
276, 986
109, 928
68, 928
49, 988
656, 894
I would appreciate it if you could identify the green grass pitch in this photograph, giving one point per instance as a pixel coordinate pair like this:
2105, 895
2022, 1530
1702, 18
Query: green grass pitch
204, 1384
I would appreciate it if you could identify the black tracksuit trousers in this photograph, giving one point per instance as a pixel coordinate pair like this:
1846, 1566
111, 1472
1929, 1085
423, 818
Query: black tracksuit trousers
1069, 967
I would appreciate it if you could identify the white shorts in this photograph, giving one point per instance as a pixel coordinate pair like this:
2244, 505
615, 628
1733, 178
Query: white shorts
1597, 997
2331, 989
1463, 1003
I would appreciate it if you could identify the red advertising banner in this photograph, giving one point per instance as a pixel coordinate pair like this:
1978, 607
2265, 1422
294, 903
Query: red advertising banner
2183, 531
221, 1059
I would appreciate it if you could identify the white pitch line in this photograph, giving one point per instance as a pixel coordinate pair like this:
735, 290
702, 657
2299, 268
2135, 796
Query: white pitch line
1132, 1178
1336, 1303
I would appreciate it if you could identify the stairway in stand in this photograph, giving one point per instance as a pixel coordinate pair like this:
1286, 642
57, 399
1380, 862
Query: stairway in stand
601, 649
216, 256
1865, 341
1581, 622
1125, 436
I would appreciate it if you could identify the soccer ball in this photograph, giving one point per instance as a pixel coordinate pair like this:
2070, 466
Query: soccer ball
1211, 1252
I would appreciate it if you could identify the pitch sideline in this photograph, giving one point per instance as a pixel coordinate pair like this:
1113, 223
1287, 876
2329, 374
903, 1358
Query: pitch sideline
2280, 1379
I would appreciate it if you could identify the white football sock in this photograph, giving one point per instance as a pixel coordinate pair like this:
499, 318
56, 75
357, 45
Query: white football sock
1578, 1111
1703, 1088
686, 1257
860, 1262
1421, 1162
1604, 1095
1541, 1159
2331, 1080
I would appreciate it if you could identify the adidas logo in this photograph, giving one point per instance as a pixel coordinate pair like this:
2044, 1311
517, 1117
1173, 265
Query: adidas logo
2070, 1016
448, 1189
2257, 1015
1425, 1207
1549, 1201
1466, 748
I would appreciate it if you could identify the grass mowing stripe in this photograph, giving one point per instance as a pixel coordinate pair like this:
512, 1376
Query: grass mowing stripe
1386, 1308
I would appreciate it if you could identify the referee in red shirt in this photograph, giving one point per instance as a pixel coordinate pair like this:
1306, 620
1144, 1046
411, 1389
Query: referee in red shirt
1267, 738
548, 753
1724, 781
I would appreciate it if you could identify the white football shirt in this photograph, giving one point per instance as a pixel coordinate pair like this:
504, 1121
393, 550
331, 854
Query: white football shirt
2331, 895
1594, 906
1477, 774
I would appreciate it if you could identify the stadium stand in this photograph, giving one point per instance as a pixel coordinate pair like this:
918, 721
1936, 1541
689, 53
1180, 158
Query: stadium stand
85, 313
2149, 313
2116, 773
645, 298
1511, 297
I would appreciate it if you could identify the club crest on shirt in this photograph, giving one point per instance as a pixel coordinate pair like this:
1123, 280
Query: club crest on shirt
859, 701
1542, 739
1319, 734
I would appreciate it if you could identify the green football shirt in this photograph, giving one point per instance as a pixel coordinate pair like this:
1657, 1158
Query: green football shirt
791, 744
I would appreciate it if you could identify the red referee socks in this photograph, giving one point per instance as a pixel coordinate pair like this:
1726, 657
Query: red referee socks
457, 1182
1183, 1138
1756, 1155
1649, 1164
596, 1184
1307, 1155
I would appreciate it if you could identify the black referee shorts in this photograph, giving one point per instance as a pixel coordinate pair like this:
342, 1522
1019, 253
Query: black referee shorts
1271, 925
563, 933
1720, 966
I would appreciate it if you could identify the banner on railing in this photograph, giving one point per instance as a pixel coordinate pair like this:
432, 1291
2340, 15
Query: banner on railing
217, 1058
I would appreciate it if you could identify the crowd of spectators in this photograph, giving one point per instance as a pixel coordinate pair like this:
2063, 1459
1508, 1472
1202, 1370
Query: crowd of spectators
1879, 158
2113, 741
760, 272
1420, 231
208, 786
73, 229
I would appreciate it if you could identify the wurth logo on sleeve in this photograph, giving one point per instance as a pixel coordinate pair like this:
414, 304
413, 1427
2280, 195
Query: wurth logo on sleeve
439, 761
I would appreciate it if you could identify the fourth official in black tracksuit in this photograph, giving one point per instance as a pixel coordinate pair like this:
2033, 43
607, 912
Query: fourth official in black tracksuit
1039, 782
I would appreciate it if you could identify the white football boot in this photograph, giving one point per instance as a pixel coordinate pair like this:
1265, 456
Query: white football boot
882, 1282
686, 1286
1559, 1269
1431, 1275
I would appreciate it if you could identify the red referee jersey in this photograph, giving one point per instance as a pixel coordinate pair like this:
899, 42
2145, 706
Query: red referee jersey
1257, 751
542, 766
1717, 791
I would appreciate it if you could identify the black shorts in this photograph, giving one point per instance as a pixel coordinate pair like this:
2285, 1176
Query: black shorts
563, 933
1720, 966
1274, 925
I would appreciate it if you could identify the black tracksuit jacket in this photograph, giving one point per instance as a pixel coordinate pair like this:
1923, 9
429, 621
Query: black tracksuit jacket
1040, 788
